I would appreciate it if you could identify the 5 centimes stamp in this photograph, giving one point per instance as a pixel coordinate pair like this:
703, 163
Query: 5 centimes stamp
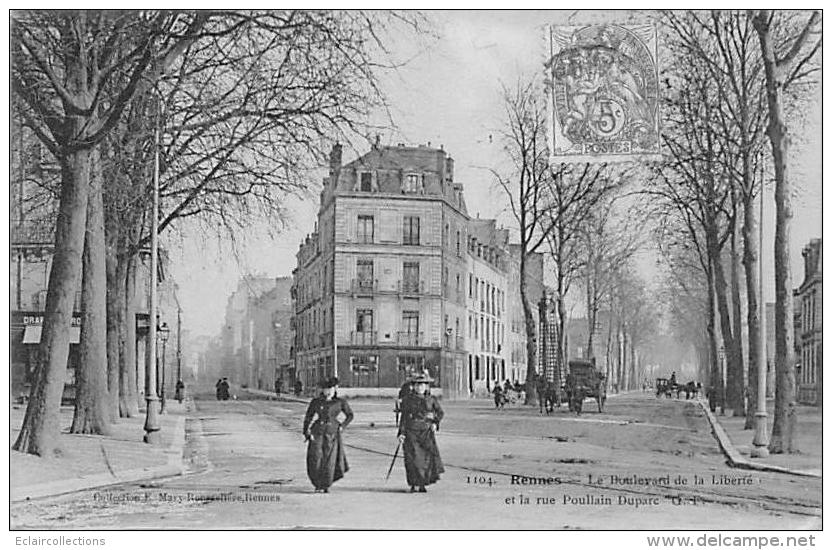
603, 93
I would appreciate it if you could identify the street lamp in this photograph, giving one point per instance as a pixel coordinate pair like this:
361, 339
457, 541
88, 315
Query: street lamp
151, 422
761, 416
164, 334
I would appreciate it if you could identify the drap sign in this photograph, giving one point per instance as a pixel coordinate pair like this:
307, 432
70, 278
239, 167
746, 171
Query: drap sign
603, 93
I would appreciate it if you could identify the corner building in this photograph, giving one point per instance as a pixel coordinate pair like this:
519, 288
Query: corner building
381, 286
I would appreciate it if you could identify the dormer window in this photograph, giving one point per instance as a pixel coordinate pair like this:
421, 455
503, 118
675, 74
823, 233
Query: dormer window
365, 182
413, 183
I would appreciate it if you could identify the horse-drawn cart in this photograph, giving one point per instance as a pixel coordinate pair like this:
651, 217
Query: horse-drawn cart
584, 380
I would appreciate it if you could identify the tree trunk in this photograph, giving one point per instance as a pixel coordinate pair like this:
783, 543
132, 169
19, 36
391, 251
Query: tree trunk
127, 404
785, 407
40, 430
720, 286
531, 333
590, 319
736, 377
715, 378
750, 262
607, 354
129, 376
619, 362
561, 353
91, 412
112, 319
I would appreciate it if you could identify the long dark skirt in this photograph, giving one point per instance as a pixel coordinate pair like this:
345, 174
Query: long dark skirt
422, 462
326, 462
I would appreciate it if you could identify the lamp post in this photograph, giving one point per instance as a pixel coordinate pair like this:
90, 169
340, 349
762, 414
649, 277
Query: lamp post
760, 416
164, 334
151, 422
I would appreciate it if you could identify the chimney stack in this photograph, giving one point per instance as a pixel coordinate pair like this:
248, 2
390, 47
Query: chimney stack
335, 164
449, 169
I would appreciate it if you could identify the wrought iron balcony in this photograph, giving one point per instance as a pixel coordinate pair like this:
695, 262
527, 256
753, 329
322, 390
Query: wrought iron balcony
364, 286
410, 339
364, 338
32, 232
325, 339
411, 287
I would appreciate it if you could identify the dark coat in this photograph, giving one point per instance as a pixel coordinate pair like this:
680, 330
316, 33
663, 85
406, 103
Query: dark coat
422, 462
326, 462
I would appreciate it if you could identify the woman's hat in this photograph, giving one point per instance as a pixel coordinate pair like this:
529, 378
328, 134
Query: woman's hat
423, 378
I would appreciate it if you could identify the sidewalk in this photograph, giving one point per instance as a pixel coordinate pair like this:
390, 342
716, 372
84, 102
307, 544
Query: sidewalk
88, 461
737, 443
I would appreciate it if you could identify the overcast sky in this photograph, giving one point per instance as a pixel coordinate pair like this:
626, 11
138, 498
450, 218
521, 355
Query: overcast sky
450, 96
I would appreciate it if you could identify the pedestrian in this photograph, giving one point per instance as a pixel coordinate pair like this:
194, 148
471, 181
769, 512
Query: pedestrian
298, 387
499, 397
179, 395
326, 462
278, 385
225, 389
421, 415
404, 391
218, 385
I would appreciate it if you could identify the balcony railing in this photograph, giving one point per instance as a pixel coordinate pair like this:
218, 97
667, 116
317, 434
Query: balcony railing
325, 339
410, 287
364, 338
364, 286
32, 232
410, 339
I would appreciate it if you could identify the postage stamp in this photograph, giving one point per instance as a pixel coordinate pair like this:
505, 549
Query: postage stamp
603, 93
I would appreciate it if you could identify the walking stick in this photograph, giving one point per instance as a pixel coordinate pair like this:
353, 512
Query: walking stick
395, 456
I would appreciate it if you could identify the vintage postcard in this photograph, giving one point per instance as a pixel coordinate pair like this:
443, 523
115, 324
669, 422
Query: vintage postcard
287, 269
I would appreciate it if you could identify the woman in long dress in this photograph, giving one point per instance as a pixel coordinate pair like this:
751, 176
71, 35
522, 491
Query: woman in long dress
326, 462
421, 415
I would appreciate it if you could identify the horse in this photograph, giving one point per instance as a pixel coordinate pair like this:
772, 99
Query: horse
691, 389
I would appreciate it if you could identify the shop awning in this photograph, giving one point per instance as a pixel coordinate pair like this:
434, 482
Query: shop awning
31, 334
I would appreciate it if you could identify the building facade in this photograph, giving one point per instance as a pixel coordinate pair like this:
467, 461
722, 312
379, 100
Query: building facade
389, 282
256, 333
809, 326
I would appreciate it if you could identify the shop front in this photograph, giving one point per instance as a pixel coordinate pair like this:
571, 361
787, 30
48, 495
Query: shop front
25, 335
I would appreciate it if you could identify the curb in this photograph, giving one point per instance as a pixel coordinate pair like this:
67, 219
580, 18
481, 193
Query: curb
174, 467
736, 459
273, 397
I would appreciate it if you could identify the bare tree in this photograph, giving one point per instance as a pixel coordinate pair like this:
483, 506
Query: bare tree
527, 191
608, 242
787, 53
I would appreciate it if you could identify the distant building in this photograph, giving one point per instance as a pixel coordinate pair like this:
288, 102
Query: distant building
256, 334
396, 279
809, 334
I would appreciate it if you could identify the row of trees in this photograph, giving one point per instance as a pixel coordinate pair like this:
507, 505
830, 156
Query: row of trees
568, 212
732, 81
241, 105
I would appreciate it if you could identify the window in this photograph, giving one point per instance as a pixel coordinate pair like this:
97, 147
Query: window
457, 283
365, 229
364, 271
413, 183
410, 365
410, 322
366, 181
410, 276
410, 230
364, 320
458, 251
470, 285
